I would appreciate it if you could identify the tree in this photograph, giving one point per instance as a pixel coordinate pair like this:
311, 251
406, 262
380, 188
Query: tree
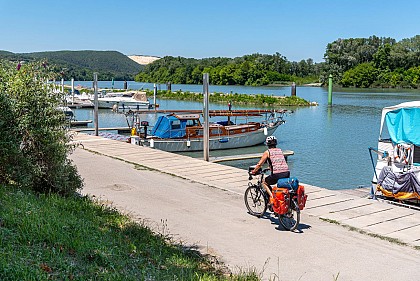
382, 57
361, 76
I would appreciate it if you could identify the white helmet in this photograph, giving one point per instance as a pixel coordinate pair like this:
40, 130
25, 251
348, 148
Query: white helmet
271, 140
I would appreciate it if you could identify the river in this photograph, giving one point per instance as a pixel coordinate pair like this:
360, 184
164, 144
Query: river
330, 144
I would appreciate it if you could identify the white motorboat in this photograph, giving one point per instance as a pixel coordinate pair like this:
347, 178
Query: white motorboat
397, 168
134, 100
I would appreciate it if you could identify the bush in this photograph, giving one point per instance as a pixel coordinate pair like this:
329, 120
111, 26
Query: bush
34, 140
361, 76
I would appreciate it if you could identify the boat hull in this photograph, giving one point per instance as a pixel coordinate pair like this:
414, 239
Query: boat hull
215, 143
123, 104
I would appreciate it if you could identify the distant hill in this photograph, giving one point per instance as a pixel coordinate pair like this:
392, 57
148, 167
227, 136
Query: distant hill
143, 60
80, 65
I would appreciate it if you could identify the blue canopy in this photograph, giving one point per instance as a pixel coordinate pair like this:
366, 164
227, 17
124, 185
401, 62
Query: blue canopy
169, 127
404, 125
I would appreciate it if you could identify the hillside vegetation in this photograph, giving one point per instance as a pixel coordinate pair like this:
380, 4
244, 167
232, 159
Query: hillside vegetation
81, 65
252, 70
374, 62
354, 62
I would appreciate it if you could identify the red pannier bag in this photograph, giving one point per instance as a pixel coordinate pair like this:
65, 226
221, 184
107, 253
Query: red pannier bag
281, 200
301, 197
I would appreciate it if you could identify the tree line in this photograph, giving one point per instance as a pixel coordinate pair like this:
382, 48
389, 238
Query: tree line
252, 70
374, 62
354, 62
81, 65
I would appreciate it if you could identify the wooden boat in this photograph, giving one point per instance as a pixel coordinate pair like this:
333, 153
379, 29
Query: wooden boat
397, 168
183, 131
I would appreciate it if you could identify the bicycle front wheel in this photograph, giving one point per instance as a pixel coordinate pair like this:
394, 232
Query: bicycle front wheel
291, 219
255, 201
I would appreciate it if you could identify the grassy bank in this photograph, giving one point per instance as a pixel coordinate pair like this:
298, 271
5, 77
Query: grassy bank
235, 98
50, 237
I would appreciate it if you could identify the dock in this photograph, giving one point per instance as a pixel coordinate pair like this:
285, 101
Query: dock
350, 208
118, 129
218, 159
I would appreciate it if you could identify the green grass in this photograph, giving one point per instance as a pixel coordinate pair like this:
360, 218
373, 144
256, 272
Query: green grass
50, 237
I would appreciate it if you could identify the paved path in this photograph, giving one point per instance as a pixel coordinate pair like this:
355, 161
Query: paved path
215, 218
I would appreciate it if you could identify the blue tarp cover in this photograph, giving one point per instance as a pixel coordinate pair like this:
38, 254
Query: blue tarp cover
404, 125
169, 127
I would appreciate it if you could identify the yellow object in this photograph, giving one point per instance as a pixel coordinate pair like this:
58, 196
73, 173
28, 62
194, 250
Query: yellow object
399, 195
133, 131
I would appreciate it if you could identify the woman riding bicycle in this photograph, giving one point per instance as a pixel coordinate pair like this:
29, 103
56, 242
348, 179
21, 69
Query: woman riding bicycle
278, 165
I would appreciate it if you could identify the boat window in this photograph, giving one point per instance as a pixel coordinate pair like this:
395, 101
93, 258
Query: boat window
191, 123
215, 131
176, 124
416, 155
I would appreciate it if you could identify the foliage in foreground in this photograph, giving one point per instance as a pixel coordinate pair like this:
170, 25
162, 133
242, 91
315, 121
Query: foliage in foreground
33, 140
259, 99
49, 237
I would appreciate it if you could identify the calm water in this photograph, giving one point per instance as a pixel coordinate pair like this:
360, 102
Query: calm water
330, 144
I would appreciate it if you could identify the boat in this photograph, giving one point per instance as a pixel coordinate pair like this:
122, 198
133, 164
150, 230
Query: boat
397, 168
71, 119
130, 100
183, 130
79, 100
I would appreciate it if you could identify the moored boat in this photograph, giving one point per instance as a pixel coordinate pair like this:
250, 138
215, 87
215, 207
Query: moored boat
183, 131
130, 100
397, 168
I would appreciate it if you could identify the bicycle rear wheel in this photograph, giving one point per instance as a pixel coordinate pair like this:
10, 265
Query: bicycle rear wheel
291, 219
255, 201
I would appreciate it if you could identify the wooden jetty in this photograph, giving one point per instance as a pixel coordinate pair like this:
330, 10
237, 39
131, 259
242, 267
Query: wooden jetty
218, 159
118, 129
76, 123
348, 208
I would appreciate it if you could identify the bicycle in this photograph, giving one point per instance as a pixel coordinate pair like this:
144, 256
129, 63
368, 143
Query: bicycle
287, 203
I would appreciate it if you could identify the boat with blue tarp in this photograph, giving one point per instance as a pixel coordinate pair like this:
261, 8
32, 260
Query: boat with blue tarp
397, 168
183, 130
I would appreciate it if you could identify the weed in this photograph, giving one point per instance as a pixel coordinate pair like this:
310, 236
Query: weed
50, 237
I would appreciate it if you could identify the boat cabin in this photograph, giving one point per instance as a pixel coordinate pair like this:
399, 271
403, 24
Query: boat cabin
189, 126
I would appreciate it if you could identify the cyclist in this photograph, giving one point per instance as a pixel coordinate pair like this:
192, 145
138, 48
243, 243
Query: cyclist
278, 166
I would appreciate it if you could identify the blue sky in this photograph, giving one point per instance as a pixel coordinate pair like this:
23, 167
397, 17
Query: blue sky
297, 29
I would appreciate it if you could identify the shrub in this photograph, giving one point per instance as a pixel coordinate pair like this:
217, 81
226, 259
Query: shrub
34, 140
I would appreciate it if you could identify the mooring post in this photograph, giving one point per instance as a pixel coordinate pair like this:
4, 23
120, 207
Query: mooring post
330, 85
72, 90
206, 116
95, 102
293, 89
154, 95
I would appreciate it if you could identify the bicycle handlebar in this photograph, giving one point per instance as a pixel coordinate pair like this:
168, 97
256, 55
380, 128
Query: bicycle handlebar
262, 172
